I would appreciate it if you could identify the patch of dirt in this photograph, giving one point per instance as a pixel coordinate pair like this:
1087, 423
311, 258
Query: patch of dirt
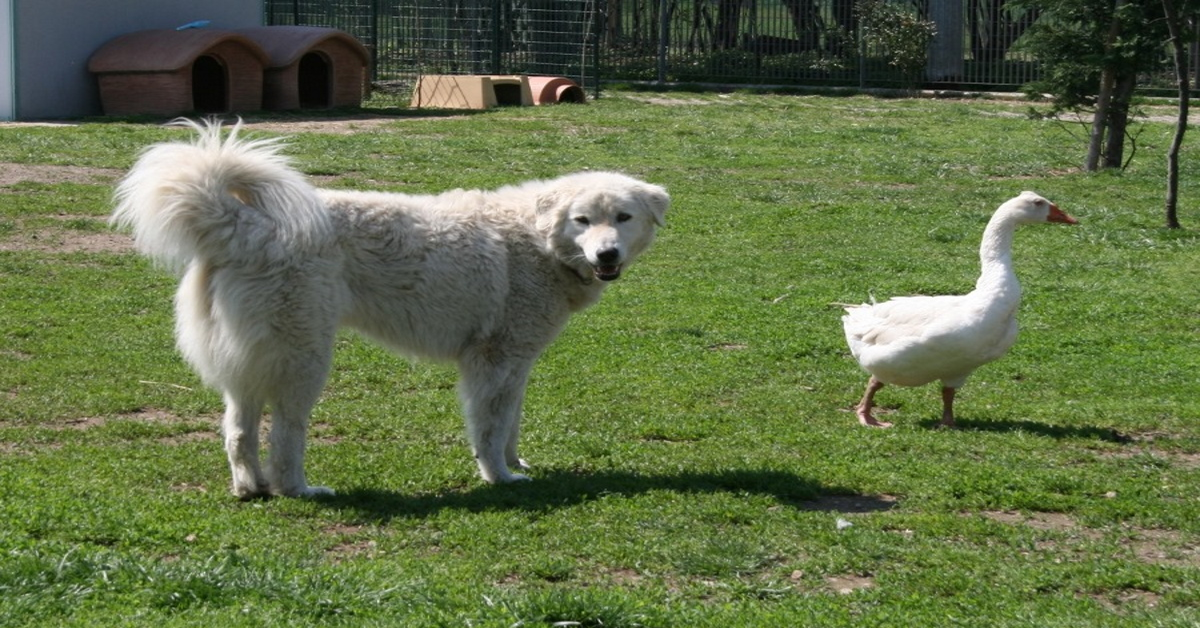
1048, 521
189, 437
1149, 436
1149, 114
1185, 461
1164, 547
671, 102
1054, 172
11, 174
68, 241
352, 549
624, 576
15, 355
345, 125
1037, 520
1158, 547
85, 423
342, 529
1120, 601
335, 124
350, 546
849, 583
146, 415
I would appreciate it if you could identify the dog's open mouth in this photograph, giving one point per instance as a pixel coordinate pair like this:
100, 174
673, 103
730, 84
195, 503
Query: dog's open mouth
607, 272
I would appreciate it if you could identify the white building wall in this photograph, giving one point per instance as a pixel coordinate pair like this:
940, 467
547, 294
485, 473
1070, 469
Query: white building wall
7, 81
52, 40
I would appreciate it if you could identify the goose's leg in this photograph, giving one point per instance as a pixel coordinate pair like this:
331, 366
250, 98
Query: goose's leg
863, 409
948, 406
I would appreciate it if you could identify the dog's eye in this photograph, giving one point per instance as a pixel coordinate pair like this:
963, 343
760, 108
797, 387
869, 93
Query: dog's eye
583, 220
623, 217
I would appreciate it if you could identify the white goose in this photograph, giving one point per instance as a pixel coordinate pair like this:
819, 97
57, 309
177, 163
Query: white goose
911, 341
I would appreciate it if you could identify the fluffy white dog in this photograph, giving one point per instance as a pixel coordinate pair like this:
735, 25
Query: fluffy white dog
272, 266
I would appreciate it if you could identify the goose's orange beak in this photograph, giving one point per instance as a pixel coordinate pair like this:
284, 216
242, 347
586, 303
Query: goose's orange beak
1058, 215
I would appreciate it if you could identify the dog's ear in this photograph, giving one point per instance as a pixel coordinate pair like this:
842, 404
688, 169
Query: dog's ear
657, 201
548, 214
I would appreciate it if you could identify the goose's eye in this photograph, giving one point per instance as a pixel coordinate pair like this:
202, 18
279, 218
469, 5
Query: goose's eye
583, 220
624, 217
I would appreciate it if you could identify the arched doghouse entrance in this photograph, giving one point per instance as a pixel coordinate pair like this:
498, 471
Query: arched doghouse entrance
315, 78
210, 85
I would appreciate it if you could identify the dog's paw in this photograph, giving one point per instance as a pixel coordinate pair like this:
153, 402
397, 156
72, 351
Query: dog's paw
519, 464
507, 477
250, 493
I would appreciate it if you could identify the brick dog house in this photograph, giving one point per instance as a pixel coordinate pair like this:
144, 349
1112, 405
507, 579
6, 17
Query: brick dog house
169, 72
172, 72
311, 67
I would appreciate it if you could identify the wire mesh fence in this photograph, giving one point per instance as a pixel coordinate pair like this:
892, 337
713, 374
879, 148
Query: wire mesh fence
818, 42
411, 38
859, 43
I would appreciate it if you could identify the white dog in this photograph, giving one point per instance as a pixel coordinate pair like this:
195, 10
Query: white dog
272, 266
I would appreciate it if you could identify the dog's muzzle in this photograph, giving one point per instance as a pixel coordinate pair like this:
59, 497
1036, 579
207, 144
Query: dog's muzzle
608, 266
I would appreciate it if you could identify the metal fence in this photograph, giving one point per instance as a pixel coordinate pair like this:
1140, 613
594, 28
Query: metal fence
409, 38
814, 42
746, 42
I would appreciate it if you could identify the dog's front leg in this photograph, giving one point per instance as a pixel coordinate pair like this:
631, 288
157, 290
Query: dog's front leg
514, 460
492, 392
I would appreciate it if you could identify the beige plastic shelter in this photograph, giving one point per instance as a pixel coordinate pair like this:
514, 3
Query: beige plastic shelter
451, 91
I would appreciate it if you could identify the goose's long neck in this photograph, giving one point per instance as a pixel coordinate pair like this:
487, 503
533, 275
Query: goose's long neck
997, 277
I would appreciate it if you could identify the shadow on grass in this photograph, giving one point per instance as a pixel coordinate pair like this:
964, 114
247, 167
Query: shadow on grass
1084, 432
556, 488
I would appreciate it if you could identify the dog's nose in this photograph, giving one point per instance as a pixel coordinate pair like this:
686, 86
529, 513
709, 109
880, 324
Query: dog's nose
608, 256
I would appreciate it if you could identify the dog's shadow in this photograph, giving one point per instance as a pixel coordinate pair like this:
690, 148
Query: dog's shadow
555, 488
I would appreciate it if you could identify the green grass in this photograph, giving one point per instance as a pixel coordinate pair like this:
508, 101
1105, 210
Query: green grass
693, 453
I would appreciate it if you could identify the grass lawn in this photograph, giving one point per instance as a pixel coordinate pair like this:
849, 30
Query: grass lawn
694, 458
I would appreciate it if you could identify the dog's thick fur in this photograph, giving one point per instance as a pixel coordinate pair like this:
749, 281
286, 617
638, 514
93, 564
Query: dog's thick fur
272, 266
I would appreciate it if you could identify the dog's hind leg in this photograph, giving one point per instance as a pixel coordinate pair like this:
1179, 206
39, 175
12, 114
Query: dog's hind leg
492, 394
289, 432
240, 429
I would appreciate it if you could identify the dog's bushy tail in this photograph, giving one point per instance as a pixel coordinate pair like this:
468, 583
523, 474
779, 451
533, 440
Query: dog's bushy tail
219, 198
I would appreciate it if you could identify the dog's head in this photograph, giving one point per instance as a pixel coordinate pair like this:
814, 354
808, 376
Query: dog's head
598, 222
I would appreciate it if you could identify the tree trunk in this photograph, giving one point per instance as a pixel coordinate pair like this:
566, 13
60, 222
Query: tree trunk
1118, 120
1175, 27
1100, 119
1100, 125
